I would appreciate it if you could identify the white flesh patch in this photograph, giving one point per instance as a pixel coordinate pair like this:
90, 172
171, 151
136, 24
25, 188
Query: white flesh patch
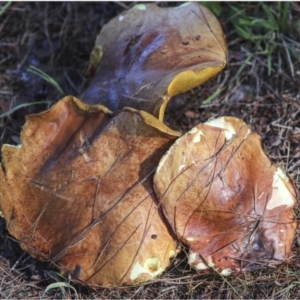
196, 134
248, 132
221, 123
280, 195
181, 168
211, 264
282, 174
226, 272
183, 4
192, 257
121, 18
196, 139
86, 157
163, 160
140, 6
200, 266
177, 142
171, 253
193, 130
166, 155
151, 267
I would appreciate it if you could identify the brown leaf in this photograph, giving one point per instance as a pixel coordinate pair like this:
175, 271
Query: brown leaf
149, 54
78, 191
224, 198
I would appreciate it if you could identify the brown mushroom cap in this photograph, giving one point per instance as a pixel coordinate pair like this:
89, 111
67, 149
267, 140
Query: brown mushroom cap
149, 54
225, 199
78, 191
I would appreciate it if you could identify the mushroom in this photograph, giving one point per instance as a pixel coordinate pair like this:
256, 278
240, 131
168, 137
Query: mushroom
148, 54
78, 192
225, 199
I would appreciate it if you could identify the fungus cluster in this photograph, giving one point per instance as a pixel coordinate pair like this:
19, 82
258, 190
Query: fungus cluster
102, 188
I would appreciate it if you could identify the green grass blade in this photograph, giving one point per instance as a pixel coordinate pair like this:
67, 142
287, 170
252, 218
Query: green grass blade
12, 110
60, 285
264, 24
5, 7
215, 7
46, 77
213, 96
271, 18
283, 15
242, 32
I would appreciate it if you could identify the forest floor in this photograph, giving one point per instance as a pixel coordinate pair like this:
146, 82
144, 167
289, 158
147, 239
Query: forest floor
261, 85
